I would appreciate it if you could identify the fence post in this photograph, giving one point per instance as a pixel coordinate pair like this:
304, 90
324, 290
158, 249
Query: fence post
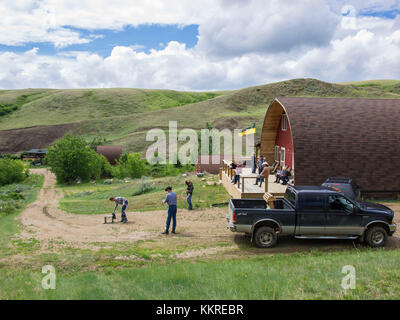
220, 173
266, 184
242, 184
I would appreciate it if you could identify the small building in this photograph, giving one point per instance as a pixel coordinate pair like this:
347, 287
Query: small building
112, 153
329, 137
34, 154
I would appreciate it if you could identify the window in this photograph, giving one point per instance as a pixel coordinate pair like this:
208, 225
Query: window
277, 153
284, 122
340, 204
282, 157
290, 196
312, 202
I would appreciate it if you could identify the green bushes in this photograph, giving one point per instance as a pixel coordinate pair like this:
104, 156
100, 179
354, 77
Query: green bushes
131, 165
11, 171
71, 159
145, 186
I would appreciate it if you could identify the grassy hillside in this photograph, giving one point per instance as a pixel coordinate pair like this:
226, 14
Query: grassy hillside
123, 116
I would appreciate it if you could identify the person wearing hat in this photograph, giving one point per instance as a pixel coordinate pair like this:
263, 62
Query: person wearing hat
170, 199
264, 173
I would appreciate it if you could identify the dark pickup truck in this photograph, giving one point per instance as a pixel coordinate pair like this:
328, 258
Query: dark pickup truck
308, 212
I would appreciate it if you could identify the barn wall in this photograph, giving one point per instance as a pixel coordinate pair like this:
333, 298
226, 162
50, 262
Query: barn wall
284, 139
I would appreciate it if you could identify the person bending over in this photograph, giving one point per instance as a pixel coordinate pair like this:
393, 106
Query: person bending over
124, 203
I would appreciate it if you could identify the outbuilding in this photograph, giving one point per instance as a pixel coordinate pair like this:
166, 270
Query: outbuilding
112, 153
336, 137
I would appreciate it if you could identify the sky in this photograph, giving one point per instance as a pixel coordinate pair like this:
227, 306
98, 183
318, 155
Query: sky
195, 45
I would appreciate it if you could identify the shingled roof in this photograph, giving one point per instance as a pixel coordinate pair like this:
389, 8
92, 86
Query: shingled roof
358, 138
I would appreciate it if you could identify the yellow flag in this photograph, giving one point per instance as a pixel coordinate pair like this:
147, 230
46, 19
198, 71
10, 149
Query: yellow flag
249, 130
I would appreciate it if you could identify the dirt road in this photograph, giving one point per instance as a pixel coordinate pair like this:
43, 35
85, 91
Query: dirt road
43, 220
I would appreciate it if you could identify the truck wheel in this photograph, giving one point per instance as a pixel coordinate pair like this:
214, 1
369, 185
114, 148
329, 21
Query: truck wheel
265, 237
376, 237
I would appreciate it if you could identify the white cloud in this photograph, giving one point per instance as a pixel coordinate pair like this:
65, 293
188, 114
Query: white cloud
241, 43
271, 26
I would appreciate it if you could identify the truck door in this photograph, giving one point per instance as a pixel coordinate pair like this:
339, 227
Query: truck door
311, 214
342, 218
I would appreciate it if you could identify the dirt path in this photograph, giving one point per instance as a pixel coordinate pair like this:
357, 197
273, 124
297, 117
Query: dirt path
43, 220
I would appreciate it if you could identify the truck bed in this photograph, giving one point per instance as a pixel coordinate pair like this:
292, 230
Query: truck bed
259, 204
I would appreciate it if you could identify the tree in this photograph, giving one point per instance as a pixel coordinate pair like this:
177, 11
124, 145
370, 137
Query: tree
71, 158
132, 165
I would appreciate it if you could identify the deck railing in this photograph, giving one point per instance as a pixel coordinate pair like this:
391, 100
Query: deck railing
226, 169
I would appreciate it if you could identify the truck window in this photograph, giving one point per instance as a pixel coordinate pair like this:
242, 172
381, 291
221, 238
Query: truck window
339, 204
312, 202
290, 196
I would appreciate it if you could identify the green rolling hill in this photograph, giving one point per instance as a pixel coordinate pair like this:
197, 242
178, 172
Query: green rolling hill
37, 117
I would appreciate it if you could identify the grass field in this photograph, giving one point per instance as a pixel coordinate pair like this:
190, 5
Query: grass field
154, 269
313, 275
93, 199
123, 116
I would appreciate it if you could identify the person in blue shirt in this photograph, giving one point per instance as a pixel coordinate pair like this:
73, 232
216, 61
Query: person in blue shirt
170, 199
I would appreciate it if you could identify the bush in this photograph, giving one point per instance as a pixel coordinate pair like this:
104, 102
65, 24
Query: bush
145, 186
8, 206
131, 165
107, 170
11, 171
72, 159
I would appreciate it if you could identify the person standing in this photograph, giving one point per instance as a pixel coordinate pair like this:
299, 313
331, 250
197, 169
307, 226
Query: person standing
170, 199
264, 173
238, 172
260, 162
122, 201
189, 193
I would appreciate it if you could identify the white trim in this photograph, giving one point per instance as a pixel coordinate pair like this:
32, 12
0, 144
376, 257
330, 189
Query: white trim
283, 157
277, 148
284, 122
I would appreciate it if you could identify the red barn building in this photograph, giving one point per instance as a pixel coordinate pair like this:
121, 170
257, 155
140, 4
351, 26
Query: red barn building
330, 137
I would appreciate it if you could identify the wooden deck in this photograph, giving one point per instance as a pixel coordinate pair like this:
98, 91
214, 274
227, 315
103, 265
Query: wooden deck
246, 188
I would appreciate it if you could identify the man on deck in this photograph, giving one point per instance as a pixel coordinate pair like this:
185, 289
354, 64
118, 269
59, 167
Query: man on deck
124, 203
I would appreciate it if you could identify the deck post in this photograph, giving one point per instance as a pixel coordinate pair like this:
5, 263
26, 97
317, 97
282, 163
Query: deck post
242, 184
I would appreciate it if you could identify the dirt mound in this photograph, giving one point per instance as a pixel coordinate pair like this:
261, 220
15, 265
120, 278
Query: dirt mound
18, 140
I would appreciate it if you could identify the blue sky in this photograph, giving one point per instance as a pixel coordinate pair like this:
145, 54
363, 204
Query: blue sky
209, 45
142, 38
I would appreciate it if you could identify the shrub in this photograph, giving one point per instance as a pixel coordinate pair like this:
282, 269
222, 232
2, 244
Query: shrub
145, 186
8, 206
11, 171
71, 158
107, 170
131, 165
